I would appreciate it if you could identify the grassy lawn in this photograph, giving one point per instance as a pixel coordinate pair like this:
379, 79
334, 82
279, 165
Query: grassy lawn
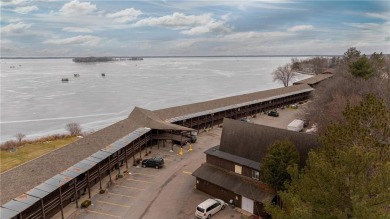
28, 152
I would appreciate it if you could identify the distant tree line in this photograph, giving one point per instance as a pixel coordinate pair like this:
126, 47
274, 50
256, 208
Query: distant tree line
92, 59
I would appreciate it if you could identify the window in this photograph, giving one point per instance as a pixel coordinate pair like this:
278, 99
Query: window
200, 209
238, 169
255, 174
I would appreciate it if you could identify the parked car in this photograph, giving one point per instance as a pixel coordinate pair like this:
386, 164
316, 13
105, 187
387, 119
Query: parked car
245, 119
296, 125
209, 207
183, 142
192, 138
273, 113
156, 162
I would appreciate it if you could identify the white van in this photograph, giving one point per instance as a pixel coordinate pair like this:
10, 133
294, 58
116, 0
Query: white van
209, 207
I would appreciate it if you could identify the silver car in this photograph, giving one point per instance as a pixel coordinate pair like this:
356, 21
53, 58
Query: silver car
209, 207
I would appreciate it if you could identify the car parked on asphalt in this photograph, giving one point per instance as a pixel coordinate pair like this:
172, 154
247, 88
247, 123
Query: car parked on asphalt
156, 162
181, 142
192, 138
245, 119
273, 113
209, 207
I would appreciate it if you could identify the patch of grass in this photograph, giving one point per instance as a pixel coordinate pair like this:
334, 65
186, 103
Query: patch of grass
30, 151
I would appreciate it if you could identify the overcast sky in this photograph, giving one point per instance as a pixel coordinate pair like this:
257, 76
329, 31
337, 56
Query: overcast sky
200, 27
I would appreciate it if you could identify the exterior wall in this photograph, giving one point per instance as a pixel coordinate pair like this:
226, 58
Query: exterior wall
228, 165
226, 195
246, 171
218, 192
225, 164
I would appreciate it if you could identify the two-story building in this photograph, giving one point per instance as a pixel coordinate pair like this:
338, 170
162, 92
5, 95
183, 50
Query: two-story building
232, 169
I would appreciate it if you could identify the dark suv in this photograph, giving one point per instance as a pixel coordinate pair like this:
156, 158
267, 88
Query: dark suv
156, 162
273, 113
192, 138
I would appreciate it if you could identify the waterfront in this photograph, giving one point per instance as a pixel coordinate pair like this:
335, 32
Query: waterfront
35, 102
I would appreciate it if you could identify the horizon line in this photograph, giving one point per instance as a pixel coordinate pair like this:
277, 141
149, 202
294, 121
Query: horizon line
156, 56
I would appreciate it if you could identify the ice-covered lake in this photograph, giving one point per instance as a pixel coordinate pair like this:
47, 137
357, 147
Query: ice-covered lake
35, 102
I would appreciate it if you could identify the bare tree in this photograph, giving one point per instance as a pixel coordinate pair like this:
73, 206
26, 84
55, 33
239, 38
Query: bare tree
284, 74
73, 128
19, 137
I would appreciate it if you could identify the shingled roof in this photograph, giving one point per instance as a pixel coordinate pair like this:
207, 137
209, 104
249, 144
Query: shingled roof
236, 183
147, 118
22, 178
228, 101
314, 80
251, 141
13, 182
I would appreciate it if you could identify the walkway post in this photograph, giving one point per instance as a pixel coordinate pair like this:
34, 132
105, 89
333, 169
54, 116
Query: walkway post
127, 166
62, 207
139, 147
75, 193
89, 186
109, 167
100, 177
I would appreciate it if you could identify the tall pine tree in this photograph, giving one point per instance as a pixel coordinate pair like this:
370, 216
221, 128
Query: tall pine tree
349, 176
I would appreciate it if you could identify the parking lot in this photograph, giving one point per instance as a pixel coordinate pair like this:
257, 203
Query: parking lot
146, 193
169, 192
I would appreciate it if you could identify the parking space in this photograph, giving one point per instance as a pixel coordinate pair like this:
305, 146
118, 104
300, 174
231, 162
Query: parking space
169, 192
154, 193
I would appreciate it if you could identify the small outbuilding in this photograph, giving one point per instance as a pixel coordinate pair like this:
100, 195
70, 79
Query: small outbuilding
232, 169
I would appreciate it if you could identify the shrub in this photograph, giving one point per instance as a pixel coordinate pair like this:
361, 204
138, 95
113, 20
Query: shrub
8, 145
73, 128
19, 137
86, 203
102, 191
138, 160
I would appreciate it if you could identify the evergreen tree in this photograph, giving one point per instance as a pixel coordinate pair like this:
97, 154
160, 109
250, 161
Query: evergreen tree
273, 168
351, 54
361, 68
349, 177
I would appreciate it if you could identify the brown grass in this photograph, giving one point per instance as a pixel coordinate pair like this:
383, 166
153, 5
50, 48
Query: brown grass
30, 150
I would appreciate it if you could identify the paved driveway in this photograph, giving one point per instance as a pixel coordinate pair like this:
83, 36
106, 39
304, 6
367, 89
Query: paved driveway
149, 193
167, 193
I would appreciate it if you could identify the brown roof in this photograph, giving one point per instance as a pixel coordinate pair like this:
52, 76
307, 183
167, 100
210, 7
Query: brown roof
228, 101
314, 80
236, 183
13, 182
328, 71
251, 141
149, 119
22, 178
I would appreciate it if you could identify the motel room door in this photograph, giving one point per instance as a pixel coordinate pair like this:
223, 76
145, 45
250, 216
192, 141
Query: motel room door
247, 204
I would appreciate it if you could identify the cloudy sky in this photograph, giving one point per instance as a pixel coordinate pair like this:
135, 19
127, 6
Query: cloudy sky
199, 27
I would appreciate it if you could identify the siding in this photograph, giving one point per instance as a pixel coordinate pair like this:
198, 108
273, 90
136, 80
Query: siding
218, 192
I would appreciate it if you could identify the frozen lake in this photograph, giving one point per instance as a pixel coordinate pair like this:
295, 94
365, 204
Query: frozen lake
35, 102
